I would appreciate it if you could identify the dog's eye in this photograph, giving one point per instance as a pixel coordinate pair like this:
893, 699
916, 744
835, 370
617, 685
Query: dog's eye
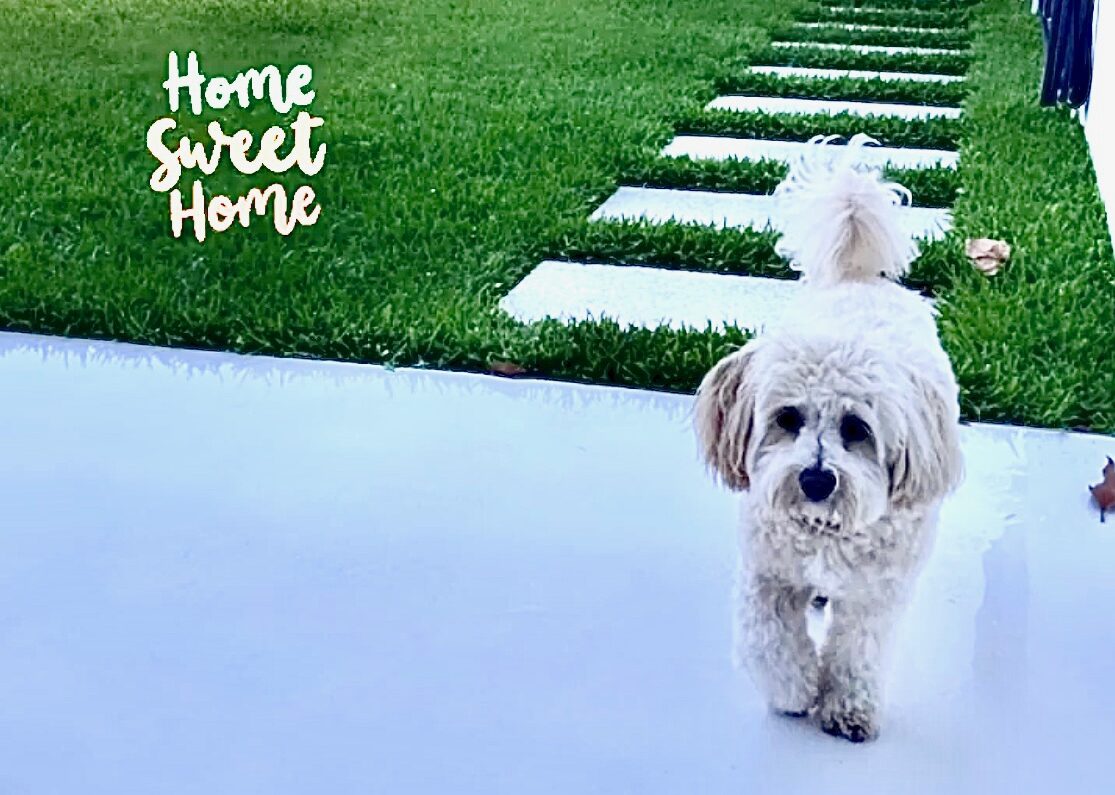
853, 429
789, 419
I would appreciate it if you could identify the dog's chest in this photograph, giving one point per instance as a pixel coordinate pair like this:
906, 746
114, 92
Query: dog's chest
826, 562
825, 573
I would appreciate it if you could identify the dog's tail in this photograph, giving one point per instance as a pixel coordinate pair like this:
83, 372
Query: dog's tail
839, 219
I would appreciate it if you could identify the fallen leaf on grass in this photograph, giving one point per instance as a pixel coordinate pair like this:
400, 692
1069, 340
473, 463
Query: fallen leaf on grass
1104, 493
987, 255
506, 368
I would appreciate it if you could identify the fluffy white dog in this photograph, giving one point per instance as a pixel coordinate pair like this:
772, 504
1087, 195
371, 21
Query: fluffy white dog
840, 426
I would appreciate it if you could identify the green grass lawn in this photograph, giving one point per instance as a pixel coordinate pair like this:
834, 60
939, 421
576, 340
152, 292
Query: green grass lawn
469, 140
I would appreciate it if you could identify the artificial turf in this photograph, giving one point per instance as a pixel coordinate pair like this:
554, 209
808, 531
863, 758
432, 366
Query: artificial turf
687, 247
937, 63
467, 141
461, 136
1028, 345
902, 17
903, 5
929, 187
937, 133
742, 81
945, 39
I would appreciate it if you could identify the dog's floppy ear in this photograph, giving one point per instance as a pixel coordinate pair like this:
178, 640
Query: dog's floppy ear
724, 416
928, 463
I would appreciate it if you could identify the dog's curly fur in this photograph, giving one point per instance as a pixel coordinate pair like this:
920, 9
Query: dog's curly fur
854, 390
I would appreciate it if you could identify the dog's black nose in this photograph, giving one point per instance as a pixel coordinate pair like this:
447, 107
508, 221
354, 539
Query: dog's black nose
817, 483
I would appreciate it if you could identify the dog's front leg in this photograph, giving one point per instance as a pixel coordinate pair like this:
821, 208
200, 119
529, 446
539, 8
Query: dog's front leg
774, 644
852, 668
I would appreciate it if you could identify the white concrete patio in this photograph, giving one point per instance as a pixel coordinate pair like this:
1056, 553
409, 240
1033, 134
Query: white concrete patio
223, 574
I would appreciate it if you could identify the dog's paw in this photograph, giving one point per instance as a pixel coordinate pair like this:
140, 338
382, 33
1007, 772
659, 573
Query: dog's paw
798, 707
796, 704
856, 726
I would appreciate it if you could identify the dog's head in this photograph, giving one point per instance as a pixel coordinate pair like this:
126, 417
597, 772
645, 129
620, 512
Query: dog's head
830, 433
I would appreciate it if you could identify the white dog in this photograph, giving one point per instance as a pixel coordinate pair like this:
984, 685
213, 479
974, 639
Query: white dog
840, 426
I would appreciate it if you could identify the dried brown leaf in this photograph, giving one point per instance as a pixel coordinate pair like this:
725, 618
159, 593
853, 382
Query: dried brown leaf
506, 368
987, 254
1104, 492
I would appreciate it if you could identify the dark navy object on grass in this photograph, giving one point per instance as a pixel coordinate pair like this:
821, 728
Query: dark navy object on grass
1068, 51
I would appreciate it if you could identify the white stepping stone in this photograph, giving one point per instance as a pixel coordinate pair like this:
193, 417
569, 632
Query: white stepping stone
834, 6
647, 297
830, 106
711, 147
867, 28
855, 74
733, 210
863, 49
